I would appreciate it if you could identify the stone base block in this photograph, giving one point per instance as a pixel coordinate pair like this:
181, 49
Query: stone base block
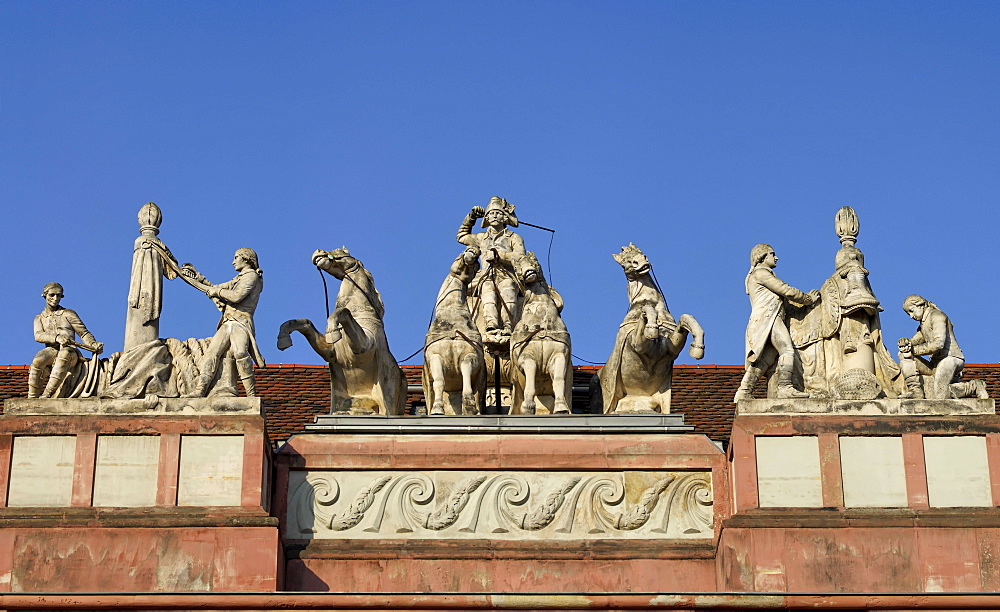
920, 407
150, 406
482, 510
78, 558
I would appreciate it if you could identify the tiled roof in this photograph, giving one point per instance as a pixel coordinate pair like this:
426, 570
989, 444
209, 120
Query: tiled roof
294, 394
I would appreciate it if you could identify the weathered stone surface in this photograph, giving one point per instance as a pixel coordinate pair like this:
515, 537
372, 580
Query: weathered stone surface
967, 406
589, 424
366, 377
59, 369
462, 504
931, 361
874, 475
958, 473
125, 472
211, 471
151, 406
41, 471
454, 371
788, 472
637, 376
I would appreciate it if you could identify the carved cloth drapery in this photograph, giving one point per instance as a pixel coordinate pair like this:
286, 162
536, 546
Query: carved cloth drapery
499, 505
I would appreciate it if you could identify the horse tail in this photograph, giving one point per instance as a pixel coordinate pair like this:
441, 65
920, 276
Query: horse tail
690, 324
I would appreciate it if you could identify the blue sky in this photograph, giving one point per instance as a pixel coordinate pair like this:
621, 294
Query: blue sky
693, 129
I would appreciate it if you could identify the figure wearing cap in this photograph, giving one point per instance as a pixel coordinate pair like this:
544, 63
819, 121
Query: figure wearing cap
495, 284
57, 327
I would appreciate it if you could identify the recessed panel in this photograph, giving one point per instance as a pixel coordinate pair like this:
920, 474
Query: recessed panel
41, 471
126, 471
788, 474
211, 471
873, 472
958, 474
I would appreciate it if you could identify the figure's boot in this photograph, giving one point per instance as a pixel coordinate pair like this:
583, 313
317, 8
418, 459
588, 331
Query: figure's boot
60, 371
746, 385
971, 388
914, 388
34, 384
207, 370
244, 365
786, 390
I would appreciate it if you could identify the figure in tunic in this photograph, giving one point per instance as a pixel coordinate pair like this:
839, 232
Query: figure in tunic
933, 351
149, 266
57, 328
768, 342
495, 284
235, 334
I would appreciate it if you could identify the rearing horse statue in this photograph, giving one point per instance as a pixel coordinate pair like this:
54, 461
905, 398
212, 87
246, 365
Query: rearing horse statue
453, 350
365, 377
637, 376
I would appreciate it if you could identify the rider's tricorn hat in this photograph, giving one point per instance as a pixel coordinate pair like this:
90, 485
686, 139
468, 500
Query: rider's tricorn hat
498, 203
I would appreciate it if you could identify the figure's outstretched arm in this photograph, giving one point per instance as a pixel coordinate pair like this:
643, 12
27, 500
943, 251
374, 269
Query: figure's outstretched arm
776, 285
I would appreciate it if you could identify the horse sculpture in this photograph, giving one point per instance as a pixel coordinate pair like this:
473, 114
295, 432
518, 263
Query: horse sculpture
365, 377
540, 345
637, 375
453, 351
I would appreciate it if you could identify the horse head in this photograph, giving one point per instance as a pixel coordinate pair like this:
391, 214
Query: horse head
337, 262
633, 262
527, 269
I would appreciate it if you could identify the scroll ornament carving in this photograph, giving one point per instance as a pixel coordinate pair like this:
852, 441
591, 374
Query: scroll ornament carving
501, 505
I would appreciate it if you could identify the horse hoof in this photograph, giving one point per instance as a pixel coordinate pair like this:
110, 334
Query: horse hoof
560, 408
437, 409
284, 342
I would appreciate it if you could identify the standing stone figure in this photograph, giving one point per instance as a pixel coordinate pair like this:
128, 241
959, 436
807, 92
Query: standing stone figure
57, 327
495, 284
933, 351
768, 343
235, 335
145, 291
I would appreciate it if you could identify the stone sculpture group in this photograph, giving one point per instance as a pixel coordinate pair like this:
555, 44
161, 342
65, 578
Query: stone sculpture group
497, 326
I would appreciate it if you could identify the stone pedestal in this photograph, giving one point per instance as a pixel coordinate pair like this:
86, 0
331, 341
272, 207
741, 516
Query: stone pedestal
881, 495
501, 504
135, 495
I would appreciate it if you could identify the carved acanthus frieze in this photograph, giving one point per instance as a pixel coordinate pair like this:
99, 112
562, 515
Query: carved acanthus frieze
499, 505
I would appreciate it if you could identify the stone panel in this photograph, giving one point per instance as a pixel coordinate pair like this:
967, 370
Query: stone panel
788, 472
957, 471
499, 505
41, 471
126, 471
873, 471
211, 471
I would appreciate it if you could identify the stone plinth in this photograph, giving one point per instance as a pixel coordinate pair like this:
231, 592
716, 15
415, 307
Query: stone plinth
130, 495
883, 495
145, 407
562, 505
867, 407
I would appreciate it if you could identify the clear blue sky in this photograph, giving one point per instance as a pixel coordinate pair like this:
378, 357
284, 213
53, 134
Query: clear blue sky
694, 129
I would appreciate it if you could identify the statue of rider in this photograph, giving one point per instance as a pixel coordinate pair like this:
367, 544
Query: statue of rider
495, 284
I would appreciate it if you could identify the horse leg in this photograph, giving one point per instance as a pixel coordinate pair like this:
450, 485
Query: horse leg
357, 337
688, 323
557, 372
437, 382
529, 367
305, 327
469, 405
642, 338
